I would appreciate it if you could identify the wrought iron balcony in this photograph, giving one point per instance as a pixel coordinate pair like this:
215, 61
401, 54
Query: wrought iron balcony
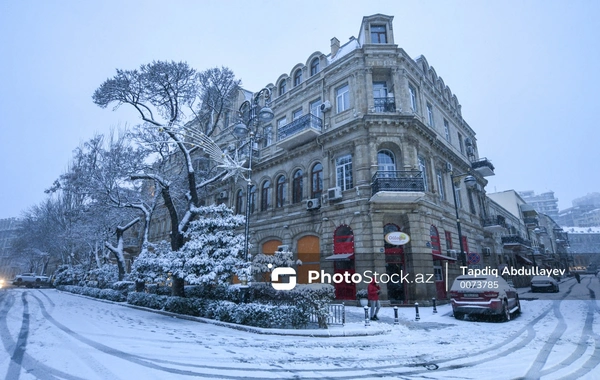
385, 104
514, 241
497, 224
397, 186
531, 222
483, 166
299, 131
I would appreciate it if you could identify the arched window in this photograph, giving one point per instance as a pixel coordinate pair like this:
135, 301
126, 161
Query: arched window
297, 77
316, 185
281, 191
314, 66
265, 196
252, 198
386, 162
435, 240
297, 186
282, 87
239, 202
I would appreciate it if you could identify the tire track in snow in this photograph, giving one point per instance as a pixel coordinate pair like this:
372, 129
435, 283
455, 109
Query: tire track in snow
14, 368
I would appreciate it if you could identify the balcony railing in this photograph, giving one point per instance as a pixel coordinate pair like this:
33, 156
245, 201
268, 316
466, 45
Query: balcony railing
531, 222
483, 166
299, 131
495, 224
398, 181
299, 125
385, 104
515, 240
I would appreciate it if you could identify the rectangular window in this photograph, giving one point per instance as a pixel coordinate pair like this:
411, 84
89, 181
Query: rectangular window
343, 170
430, 114
460, 143
342, 97
447, 130
448, 239
440, 181
378, 34
457, 192
423, 169
281, 122
297, 114
315, 108
413, 98
268, 134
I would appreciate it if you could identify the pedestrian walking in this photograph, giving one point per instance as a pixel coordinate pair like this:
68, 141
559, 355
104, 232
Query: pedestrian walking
578, 277
373, 291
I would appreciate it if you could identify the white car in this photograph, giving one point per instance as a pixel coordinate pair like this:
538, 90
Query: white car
544, 284
484, 295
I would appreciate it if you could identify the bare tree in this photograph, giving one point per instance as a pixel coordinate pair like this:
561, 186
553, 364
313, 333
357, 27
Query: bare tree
171, 97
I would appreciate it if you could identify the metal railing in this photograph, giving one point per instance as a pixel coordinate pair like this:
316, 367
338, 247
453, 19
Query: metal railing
385, 104
515, 240
481, 163
411, 180
298, 125
337, 315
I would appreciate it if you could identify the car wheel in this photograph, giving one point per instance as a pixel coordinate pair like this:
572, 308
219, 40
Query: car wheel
557, 289
459, 316
505, 316
518, 306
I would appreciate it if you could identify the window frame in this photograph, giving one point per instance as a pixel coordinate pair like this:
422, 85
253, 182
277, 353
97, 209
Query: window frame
297, 186
342, 98
430, 118
314, 66
413, 98
343, 172
280, 191
376, 33
298, 77
447, 130
316, 180
441, 190
423, 168
282, 88
265, 196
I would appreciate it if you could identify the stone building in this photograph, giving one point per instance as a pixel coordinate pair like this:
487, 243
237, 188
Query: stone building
366, 141
544, 203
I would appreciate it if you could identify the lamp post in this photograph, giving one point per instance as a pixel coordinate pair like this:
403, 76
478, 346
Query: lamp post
251, 114
470, 181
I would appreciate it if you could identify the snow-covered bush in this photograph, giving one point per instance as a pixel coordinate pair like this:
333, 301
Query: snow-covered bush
162, 290
103, 277
124, 287
69, 275
187, 306
83, 290
112, 295
153, 301
149, 265
260, 263
361, 294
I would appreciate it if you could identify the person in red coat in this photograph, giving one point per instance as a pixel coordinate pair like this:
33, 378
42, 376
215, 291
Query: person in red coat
373, 296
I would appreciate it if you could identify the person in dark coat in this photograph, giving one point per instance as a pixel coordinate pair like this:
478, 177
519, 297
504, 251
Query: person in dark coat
373, 296
577, 277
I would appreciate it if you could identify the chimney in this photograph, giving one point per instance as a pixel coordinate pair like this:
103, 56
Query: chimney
335, 46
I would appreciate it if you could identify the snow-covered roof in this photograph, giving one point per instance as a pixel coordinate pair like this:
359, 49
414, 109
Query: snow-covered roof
582, 230
344, 50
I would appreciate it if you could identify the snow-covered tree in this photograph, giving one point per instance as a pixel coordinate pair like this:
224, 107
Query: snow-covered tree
213, 251
171, 97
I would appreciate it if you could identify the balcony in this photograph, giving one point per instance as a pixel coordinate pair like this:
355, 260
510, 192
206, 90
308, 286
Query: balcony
299, 131
495, 225
531, 222
515, 241
384, 104
397, 186
483, 166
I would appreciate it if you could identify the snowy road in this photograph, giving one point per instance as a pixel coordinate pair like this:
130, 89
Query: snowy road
47, 334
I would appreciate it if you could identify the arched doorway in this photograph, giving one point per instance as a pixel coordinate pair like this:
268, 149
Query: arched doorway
309, 252
343, 244
394, 264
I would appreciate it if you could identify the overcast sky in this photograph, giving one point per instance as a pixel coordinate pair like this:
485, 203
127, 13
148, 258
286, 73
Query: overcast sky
525, 72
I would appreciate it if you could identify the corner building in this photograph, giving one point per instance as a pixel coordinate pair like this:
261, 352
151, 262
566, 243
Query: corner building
363, 143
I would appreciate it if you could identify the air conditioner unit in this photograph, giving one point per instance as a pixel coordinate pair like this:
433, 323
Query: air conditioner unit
282, 248
449, 167
313, 203
334, 193
223, 195
452, 253
324, 198
325, 106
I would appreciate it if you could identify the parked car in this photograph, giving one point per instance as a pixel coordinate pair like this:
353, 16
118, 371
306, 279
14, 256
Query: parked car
30, 280
544, 284
484, 295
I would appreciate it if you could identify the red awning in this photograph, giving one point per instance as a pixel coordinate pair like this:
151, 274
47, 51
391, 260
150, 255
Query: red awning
437, 256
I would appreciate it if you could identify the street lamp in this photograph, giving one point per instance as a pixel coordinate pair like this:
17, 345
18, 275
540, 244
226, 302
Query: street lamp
471, 182
254, 115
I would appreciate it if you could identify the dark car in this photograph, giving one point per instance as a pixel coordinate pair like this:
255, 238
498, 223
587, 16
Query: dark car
544, 284
484, 295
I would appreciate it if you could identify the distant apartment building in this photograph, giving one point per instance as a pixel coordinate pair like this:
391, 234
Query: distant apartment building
8, 230
584, 213
544, 203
